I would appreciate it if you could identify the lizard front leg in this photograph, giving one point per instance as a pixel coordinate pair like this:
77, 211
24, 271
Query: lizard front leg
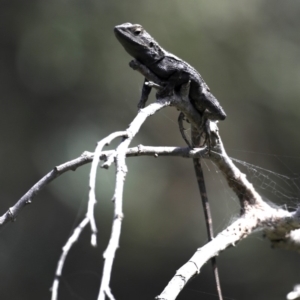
177, 77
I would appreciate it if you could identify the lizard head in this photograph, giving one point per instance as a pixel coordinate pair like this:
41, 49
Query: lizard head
138, 43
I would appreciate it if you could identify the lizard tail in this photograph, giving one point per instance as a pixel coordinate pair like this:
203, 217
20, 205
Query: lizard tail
208, 219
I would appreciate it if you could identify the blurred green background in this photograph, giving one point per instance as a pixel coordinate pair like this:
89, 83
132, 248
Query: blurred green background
65, 84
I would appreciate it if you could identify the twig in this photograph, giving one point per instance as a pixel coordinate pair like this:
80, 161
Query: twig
92, 183
295, 294
65, 251
240, 229
26, 199
89, 215
109, 254
120, 177
141, 150
86, 158
121, 170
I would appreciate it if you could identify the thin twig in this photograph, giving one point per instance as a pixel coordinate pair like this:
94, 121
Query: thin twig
65, 251
85, 158
121, 170
92, 182
294, 294
26, 199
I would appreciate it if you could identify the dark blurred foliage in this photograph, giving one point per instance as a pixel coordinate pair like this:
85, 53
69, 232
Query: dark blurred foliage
65, 84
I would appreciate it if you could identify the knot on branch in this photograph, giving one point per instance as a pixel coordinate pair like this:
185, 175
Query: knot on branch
119, 216
11, 214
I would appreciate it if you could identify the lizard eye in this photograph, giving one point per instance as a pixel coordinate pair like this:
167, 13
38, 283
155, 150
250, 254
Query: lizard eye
151, 44
137, 31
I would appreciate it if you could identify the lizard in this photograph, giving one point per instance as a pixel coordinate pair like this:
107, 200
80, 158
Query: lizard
139, 44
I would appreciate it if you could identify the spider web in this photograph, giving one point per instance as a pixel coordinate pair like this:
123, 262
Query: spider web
275, 187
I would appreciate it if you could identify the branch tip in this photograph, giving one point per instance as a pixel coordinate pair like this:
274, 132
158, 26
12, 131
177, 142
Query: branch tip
119, 216
94, 240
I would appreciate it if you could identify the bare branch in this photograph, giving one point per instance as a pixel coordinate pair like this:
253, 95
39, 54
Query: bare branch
73, 238
295, 294
254, 218
86, 158
236, 180
13, 211
256, 214
121, 171
92, 183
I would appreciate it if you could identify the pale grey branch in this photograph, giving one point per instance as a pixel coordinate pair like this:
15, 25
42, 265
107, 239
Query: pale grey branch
121, 171
255, 215
92, 182
72, 239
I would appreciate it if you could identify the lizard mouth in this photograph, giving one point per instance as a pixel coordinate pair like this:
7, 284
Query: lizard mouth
128, 38
122, 30
138, 43
122, 33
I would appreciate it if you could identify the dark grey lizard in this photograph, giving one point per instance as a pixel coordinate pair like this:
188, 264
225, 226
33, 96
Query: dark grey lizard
175, 72
140, 45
